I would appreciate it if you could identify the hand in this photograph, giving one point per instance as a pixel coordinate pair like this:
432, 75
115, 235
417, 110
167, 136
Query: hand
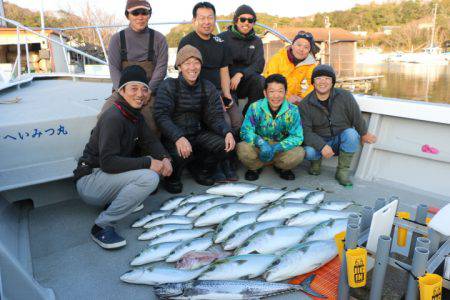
294, 99
327, 151
235, 80
167, 167
266, 151
230, 143
227, 102
156, 166
184, 148
368, 138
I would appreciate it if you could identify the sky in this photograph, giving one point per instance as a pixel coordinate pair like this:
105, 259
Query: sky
181, 10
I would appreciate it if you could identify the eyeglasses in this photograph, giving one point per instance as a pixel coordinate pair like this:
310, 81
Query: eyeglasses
141, 11
250, 20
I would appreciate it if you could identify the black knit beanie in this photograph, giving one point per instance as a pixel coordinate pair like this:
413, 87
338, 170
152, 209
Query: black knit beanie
323, 70
241, 10
135, 74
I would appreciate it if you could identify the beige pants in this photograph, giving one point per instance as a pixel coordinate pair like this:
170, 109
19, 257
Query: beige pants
288, 160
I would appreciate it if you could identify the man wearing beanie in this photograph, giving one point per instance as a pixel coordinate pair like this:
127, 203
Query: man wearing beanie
189, 112
247, 53
296, 63
110, 173
332, 124
216, 60
142, 46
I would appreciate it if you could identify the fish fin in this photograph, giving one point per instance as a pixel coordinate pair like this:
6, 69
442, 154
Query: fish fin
305, 286
254, 252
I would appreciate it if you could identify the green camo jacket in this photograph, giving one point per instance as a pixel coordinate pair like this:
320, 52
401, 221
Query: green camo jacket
285, 129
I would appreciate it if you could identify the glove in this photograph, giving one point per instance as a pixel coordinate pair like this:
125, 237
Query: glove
266, 152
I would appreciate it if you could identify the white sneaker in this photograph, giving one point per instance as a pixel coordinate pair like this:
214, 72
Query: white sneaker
139, 208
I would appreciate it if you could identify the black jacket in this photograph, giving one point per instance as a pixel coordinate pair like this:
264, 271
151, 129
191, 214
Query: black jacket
117, 140
247, 54
181, 110
318, 122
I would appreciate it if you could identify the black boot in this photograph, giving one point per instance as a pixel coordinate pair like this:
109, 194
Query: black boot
229, 170
252, 175
173, 186
285, 174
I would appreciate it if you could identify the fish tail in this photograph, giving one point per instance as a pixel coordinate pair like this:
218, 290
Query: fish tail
305, 286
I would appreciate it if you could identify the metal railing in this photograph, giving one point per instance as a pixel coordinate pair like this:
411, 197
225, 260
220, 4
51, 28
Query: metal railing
17, 66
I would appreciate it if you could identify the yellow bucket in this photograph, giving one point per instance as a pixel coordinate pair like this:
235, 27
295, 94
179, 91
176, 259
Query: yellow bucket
402, 233
430, 287
340, 241
357, 267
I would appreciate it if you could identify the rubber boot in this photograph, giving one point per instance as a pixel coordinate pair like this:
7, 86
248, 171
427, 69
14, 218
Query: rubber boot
314, 168
343, 168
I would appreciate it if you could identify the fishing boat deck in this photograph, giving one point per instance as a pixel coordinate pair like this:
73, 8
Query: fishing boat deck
66, 259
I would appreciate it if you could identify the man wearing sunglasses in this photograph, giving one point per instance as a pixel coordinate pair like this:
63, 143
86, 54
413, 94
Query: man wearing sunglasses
142, 46
246, 51
216, 60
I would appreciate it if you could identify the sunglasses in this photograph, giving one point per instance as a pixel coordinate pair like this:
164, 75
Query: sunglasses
141, 11
250, 20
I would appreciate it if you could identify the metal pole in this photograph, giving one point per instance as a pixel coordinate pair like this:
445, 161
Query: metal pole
421, 215
103, 44
419, 265
366, 217
435, 239
351, 241
42, 18
19, 66
28, 55
381, 263
65, 53
2, 13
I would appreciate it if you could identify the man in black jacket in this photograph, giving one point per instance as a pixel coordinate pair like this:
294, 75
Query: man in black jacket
332, 124
111, 172
247, 53
189, 113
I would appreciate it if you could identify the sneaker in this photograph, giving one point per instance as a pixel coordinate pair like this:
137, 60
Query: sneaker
229, 171
107, 238
139, 208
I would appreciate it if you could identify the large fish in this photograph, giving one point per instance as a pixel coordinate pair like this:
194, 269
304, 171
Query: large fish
283, 211
301, 259
238, 237
299, 193
238, 267
237, 189
183, 209
272, 240
169, 219
210, 203
326, 230
315, 197
173, 202
180, 235
316, 216
198, 198
157, 230
336, 205
262, 195
220, 213
154, 253
230, 289
233, 223
198, 244
151, 216
160, 274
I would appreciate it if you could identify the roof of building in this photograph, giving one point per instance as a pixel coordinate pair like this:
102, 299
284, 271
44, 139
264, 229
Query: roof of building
320, 34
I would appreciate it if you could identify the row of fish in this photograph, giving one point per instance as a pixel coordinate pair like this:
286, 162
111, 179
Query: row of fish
275, 234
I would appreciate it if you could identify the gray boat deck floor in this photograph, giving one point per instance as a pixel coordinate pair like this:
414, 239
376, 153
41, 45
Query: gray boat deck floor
68, 261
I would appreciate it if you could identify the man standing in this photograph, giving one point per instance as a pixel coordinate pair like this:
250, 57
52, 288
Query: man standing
110, 172
246, 51
332, 124
142, 46
189, 112
215, 69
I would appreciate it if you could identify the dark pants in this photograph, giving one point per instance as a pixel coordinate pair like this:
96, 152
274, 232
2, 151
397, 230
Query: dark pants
208, 150
252, 88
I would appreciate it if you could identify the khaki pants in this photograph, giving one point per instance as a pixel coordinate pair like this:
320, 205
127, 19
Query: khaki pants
288, 160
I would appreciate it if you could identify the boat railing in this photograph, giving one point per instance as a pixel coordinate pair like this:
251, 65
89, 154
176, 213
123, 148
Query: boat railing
18, 76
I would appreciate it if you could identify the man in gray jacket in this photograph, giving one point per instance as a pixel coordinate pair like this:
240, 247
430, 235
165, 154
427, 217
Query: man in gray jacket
332, 124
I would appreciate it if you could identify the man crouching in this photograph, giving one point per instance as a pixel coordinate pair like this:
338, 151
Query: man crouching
189, 113
110, 170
